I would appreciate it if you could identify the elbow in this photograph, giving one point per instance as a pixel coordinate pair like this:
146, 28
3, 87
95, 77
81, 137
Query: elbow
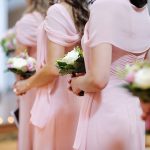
99, 83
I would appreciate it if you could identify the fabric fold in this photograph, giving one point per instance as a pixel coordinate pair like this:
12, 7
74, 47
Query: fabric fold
61, 32
118, 23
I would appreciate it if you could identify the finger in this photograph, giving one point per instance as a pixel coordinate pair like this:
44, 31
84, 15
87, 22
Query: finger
15, 90
69, 81
79, 74
144, 116
70, 88
76, 91
20, 94
81, 93
14, 85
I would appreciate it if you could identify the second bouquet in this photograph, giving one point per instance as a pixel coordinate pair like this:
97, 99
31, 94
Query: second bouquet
22, 65
72, 63
137, 77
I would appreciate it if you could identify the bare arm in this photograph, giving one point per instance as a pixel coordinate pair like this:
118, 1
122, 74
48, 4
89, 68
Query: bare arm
49, 72
148, 56
46, 74
98, 75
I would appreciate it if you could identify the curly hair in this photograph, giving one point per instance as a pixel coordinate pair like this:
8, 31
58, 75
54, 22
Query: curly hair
139, 3
80, 13
39, 5
52, 2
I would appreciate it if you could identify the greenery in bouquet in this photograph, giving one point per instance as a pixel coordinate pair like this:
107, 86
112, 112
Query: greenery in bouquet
8, 43
137, 77
22, 65
72, 62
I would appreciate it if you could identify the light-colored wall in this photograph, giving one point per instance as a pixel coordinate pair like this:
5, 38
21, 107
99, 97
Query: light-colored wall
10, 12
149, 5
15, 11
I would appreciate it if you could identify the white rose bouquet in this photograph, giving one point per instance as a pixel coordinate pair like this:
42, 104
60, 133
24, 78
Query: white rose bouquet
22, 65
72, 62
137, 77
8, 42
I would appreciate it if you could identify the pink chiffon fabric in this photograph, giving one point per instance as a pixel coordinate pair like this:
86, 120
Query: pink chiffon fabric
113, 115
55, 112
26, 34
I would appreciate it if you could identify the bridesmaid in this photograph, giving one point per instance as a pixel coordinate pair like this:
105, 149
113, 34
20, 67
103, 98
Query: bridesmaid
117, 33
56, 110
26, 35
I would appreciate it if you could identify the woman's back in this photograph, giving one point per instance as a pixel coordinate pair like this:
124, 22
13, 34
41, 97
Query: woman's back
112, 115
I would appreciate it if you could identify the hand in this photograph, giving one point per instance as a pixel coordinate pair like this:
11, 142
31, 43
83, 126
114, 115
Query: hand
146, 110
18, 77
75, 85
77, 74
21, 87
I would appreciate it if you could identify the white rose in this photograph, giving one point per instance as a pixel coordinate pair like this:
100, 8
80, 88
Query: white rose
142, 78
71, 57
19, 63
31, 60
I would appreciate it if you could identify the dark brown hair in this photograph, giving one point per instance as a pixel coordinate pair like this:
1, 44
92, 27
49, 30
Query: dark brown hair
80, 12
39, 5
139, 3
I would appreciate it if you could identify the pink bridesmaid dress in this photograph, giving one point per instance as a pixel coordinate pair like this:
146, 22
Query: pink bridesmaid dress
26, 34
113, 114
55, 112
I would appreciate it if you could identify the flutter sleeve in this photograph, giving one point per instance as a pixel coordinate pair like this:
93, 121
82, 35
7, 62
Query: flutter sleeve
60, 27
119, 23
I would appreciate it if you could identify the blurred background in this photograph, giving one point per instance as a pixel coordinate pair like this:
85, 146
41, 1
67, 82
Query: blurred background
10, 12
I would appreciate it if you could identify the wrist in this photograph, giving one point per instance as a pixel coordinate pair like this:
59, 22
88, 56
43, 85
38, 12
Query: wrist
29, 84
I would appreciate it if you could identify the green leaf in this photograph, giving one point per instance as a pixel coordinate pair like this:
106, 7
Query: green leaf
144, 95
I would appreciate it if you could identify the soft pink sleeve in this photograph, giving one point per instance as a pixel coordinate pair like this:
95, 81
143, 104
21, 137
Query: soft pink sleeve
59, 26
26, 28
118, 22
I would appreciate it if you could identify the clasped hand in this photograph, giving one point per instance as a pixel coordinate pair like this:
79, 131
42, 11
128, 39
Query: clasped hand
75, 83
21, 87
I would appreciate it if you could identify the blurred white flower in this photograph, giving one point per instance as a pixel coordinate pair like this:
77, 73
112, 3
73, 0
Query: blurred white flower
132, 68
142, 78
31, 60
71, 57
17, 63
